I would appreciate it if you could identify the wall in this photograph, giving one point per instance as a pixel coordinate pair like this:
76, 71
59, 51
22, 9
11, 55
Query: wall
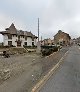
5, 40
35, 42
61, 37
14, 38
29, 41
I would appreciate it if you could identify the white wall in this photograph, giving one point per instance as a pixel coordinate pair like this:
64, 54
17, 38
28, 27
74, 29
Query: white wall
22, 41
5, 40
35, 42
29, 41
14, 38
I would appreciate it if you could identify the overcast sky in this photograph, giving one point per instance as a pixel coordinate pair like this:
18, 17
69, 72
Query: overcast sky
54, 15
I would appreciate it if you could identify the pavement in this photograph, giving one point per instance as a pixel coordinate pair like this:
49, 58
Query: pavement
67, 77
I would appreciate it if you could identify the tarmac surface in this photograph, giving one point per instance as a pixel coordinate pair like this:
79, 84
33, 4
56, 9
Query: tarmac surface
20, 73
67, 77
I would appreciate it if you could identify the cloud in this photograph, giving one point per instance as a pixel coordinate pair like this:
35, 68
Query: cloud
53, 14
62, 14
6, 21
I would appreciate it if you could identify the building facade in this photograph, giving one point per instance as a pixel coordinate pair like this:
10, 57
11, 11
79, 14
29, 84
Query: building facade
62, 38
47, 42
18, 38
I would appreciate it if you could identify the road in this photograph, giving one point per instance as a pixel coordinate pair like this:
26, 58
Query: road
67, 77
26, 70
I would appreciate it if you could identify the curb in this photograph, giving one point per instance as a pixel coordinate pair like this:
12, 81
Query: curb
51, 54
38, 86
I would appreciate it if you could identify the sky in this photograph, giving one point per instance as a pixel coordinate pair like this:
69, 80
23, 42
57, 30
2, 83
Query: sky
53, 15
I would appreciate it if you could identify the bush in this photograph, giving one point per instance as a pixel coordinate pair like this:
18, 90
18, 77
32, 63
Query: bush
47, 50
30, 47
26, 46
12, 46
6, 46
55, 49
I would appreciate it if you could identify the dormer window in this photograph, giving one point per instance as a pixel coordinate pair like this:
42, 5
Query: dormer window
9, 36
32, 39
18, 37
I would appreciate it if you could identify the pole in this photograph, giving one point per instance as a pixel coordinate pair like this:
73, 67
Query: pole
38, 29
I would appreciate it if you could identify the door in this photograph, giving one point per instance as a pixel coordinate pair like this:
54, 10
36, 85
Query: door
18, 43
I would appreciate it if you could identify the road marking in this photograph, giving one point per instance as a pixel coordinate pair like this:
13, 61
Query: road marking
40, 84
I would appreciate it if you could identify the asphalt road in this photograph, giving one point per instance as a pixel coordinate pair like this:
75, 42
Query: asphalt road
26, 70
67, 77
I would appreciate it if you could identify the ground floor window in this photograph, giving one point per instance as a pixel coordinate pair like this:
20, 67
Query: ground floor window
25, 43
9, 43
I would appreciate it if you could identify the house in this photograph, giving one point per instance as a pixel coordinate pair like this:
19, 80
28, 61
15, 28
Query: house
17, 38
47, 42
77, 40
62, 38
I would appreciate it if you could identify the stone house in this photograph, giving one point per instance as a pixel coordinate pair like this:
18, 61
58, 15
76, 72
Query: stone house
62, 38
77, 40
47, 42
18, 38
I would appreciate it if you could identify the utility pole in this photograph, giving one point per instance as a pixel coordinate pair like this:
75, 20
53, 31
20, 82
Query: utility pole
38, 50
38, 29
41, 38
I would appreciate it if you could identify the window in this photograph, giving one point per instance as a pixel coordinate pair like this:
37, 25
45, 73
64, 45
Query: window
18, 43
32, 39
9, 43
21, 36
25, 37
32, 43
63, 42
18, 37
14, 35
25, 43
9, 36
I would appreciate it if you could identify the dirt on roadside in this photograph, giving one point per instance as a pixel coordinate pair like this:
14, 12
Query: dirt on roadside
28, 68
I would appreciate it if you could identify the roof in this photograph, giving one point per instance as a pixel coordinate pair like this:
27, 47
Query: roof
60, 32
13, 31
